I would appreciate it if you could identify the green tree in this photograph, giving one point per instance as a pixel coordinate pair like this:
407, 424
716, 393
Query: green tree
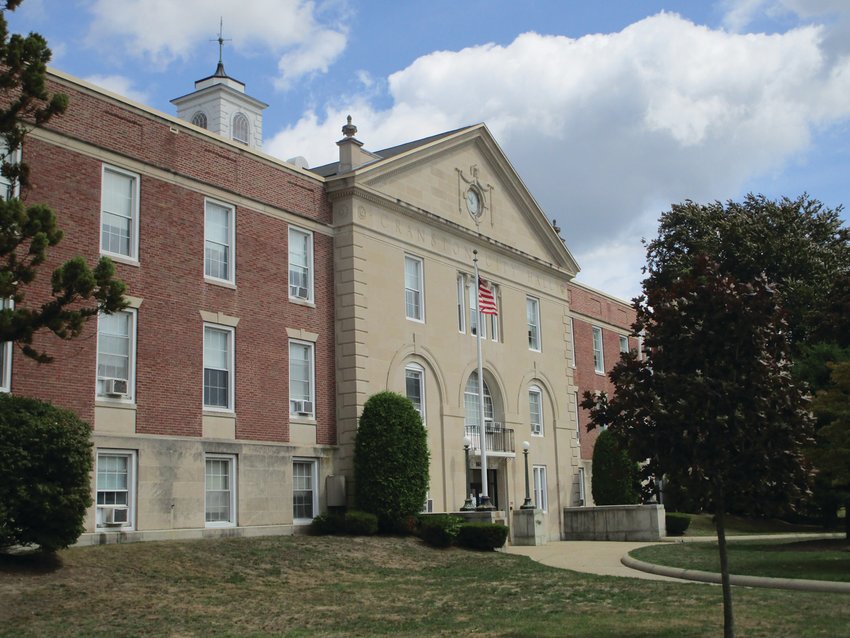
45, 464
832, 454
390, 459
614, 473
28, 231
713, 406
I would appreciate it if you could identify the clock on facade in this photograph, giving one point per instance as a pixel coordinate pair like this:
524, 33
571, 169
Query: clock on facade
473, 202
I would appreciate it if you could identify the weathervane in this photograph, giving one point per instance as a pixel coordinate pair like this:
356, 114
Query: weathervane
221, 40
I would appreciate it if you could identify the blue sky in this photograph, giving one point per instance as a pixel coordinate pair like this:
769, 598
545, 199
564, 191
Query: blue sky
609, 111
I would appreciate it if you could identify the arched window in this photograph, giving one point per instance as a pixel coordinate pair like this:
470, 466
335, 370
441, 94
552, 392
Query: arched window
240, 128
471, 406
200, 119
414, 386
535, 410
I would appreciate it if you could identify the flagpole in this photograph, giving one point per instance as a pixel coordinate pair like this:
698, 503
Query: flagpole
485, 503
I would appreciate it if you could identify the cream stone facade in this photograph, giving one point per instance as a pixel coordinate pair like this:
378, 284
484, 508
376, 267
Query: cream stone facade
404, 246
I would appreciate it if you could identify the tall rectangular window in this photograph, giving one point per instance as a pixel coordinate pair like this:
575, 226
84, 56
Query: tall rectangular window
413, 289
119, 213
219, 241
582, 497
532, 307
578, 412
300, 264
414, 386
305, 496
6, 354
541, 500
535, 408
220, 490
218, 367
624, 344
301, 375
479, 319
598, 359
461, 303
116, 355
115, 489
572, 343
7, 191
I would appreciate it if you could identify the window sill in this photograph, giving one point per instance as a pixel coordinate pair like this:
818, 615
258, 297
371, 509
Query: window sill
220, 282
539, 436
302, 302
303, 420
219, 525
122, 259
208, 411
104, 402
415, 320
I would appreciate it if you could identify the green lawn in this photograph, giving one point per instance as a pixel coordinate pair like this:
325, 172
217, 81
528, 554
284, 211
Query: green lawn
330, 586
703, 525
817, 560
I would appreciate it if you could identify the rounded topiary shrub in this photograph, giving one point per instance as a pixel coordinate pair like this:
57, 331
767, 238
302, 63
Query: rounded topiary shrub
676, 523
614, 474
326, 524
390, 459
486, 536
45, 467
439, 530
361, 523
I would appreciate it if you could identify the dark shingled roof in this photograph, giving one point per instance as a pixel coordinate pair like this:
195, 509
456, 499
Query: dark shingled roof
328, 170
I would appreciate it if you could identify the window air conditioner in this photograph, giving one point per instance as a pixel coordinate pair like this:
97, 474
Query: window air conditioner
302, 408
115, 387
116, 516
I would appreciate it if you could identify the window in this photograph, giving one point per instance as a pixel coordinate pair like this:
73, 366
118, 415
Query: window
115, 497
200, 119
414, 387
119, 213
7, 190
541, 500
578, 412
300, 264
532, 307
6, 354
461, 303
305, 497
471, 406
581, 488
218, 241
466, 293
624, 344
116, 355
535, 408
413, 298
572, 343
218, 368
220, 490
240, 128
301, 398
598, 360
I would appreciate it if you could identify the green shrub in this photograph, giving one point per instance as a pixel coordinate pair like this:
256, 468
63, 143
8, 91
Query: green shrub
407, 526
45, 467
327, 524
439, 530
615, 476
676, 523
390, 459
361, 523
488, 536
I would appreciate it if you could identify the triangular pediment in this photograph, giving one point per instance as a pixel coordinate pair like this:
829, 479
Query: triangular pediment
464, 178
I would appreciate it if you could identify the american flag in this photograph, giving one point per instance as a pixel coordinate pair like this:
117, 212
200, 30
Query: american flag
486, 302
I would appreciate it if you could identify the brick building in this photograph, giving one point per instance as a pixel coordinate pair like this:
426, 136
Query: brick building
267, 301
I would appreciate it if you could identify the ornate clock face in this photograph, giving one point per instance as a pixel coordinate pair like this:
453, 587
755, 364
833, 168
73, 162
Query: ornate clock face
473, 202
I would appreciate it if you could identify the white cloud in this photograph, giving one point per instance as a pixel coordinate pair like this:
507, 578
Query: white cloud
162, 31
120, 85
609, 130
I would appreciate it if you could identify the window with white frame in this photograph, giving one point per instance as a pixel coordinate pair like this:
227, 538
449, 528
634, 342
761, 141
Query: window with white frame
200, 119
241, 128
466, 293
572, 343
414, 307
461, 303
116, 355
578, 412
598, 359
301, 379
532, 307
582, 497
471, 406
474, 320
541, 500
414, 387
219, 241
115, 488
624, 344
7, 190
119, 213
218, 367
220, 490
305, 495
535, 409
300, 264
6, 354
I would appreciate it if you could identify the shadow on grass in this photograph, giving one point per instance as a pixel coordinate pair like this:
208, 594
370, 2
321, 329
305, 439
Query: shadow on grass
29, 562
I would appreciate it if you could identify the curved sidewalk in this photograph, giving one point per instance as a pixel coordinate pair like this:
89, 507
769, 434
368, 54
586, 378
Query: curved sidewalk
610, 558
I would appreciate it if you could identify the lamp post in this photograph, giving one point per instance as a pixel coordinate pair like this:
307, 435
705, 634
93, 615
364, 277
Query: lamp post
467, 443
527, 505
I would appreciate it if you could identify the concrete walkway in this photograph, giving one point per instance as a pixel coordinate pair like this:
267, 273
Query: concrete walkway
610, 558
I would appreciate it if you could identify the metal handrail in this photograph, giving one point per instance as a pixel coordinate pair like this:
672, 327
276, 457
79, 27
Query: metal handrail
498, 439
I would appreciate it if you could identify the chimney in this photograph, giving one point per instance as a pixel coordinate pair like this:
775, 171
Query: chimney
351, 155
